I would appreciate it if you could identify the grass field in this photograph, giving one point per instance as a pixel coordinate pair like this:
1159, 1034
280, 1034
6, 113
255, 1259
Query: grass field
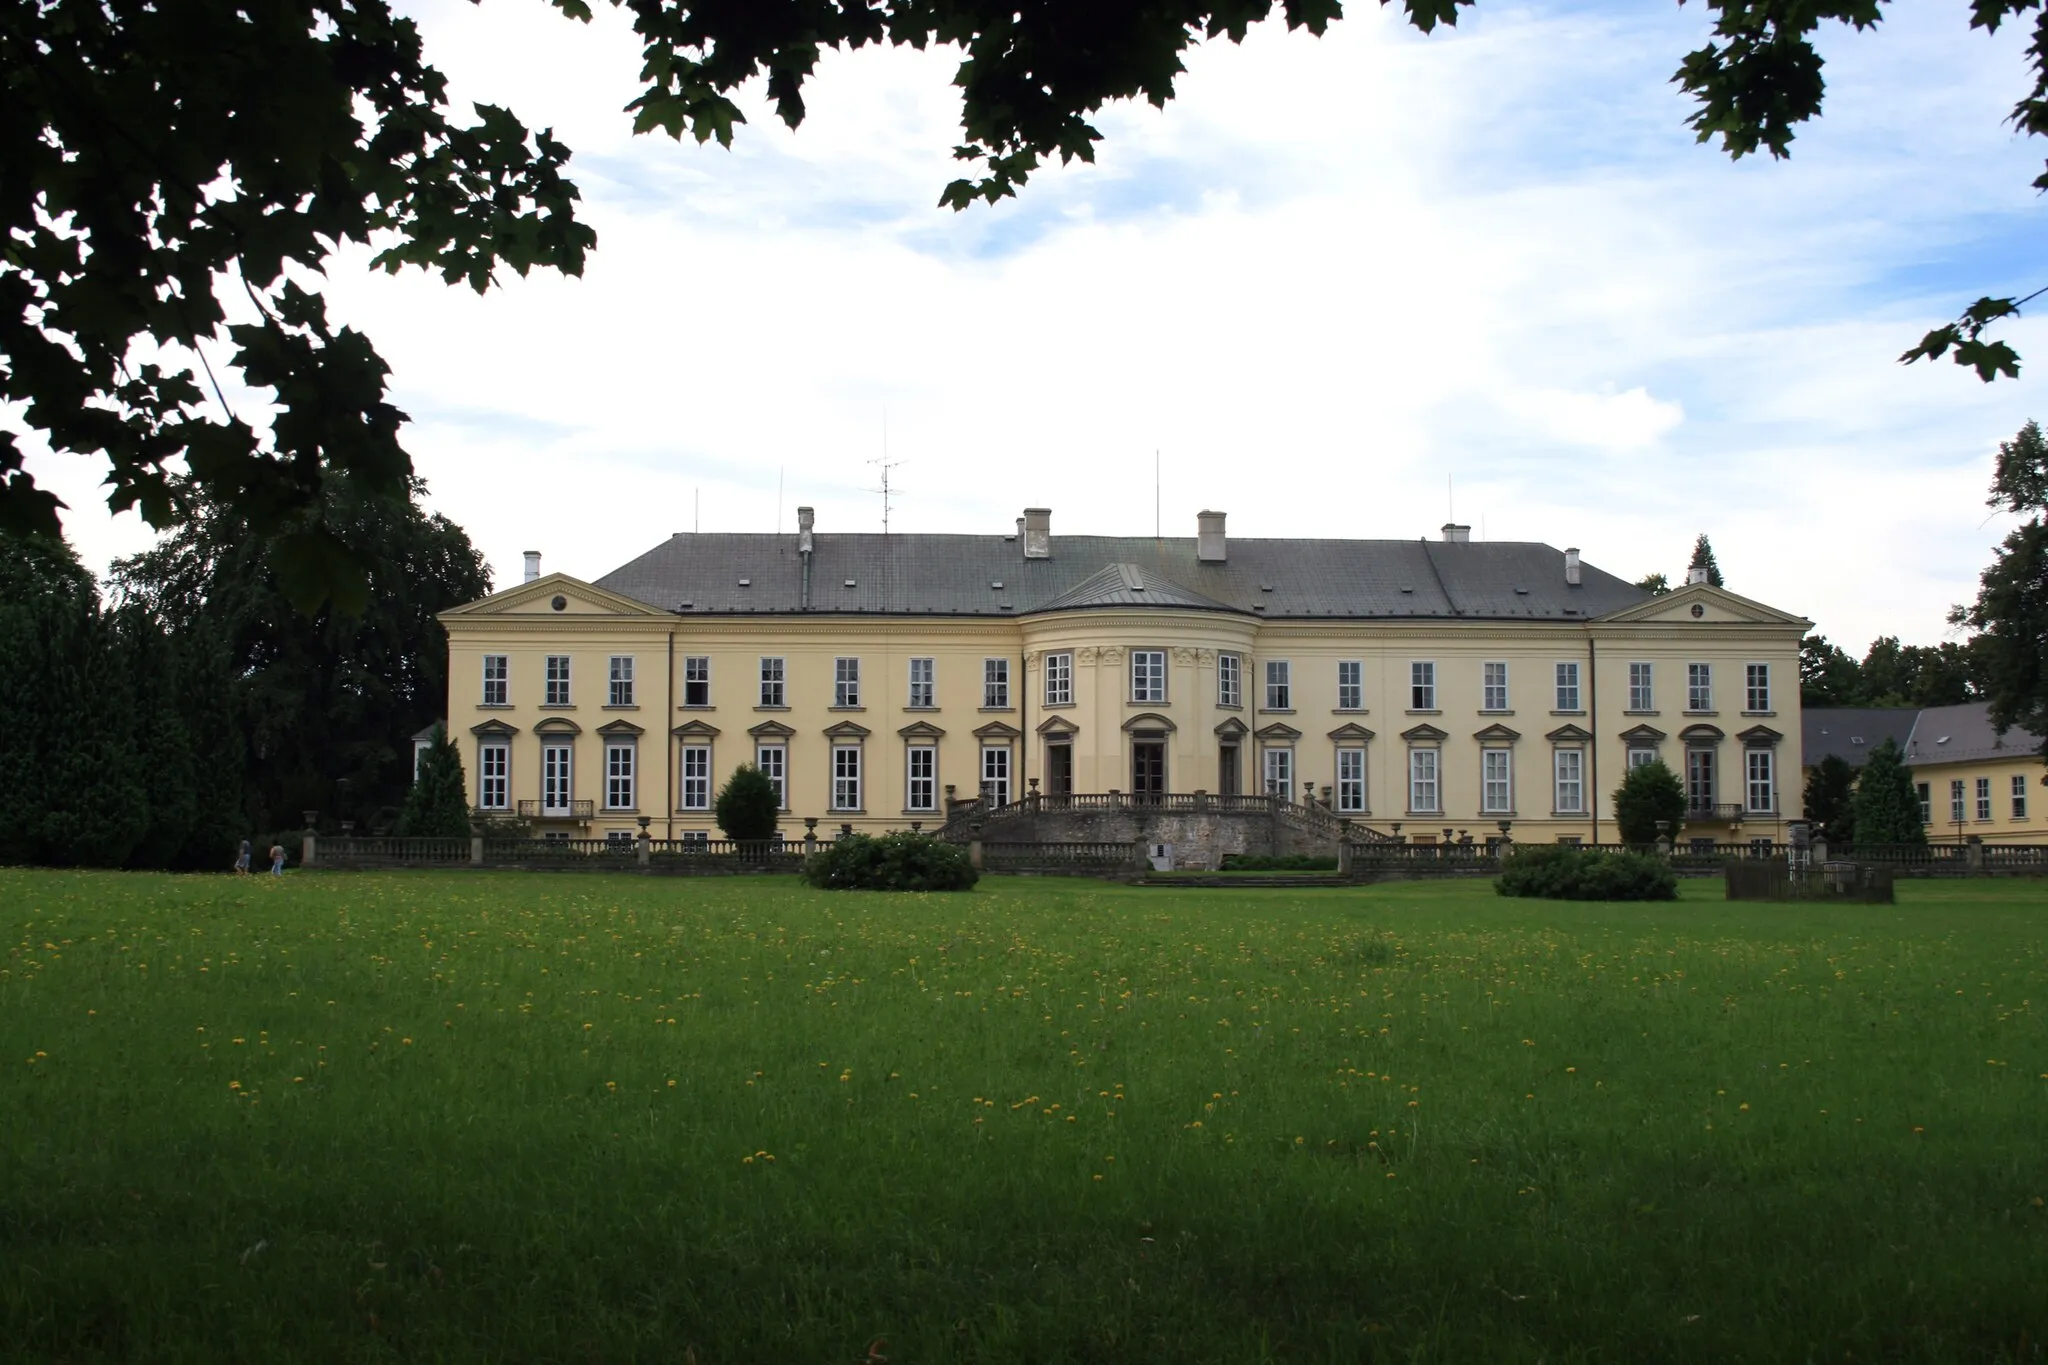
583, 1118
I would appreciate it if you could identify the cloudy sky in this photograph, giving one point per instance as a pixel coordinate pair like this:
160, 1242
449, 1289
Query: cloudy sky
1335, 284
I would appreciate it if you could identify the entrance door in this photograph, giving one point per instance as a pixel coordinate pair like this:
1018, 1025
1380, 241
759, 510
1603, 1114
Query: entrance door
554, 780
1148, 767
1059, 769
1227, 780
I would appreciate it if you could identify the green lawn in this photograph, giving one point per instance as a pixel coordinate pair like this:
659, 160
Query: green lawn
596, 1118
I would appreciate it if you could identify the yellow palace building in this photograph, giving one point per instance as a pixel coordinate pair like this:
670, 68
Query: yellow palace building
1426, 684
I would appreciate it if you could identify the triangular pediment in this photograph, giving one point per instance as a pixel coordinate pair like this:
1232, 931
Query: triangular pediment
538, 598
847, 729
771, 729
1569, 734
1643, 734
695, 729
1352, 732
1278, 731
997, 729
921, 729
1496, 733
1058, 725
1425, 733
620, 727
1233, 728
1702, 603
493, 728
1759, 735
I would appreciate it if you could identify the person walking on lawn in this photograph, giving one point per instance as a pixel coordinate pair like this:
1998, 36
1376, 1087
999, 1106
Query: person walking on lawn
277, 860
242, 859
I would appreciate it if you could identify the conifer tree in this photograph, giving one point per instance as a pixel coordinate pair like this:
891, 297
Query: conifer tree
1650, 792
1886, 809
1703, 558
1830, 800
437, 806
747, 809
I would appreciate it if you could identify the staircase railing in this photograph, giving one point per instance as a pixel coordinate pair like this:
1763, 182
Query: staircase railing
963, 816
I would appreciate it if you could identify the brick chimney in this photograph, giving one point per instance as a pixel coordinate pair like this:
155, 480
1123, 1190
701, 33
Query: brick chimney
1209, 545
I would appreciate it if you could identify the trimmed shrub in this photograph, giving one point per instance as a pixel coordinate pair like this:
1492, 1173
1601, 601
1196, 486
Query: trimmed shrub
1278, 862
900, 861
1646, 795
1565, 873
437, 806
747, 809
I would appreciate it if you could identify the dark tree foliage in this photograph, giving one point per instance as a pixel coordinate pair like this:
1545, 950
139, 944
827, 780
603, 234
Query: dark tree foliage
1565, 873
159, 157
326, 703
437, 804
747, 809
1892, 674
1886, 810
1703, 562
1655, 584
185, 744
1827, 675
1648, 793
2010, 614
901, 861
1830, 799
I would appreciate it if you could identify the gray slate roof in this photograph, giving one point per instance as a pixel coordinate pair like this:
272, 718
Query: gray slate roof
967, 575
1957, 734
1851, 732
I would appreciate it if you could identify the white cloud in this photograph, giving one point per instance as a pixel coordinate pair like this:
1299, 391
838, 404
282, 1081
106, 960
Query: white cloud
1330, 274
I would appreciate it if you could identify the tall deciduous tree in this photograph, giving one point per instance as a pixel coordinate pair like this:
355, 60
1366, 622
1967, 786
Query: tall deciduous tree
1886, 809
1655, 584
2011, 610
327, 703
1827, 675
160, 159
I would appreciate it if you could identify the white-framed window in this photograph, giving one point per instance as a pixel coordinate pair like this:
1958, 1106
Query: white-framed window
695, 836
420, 749
1568, 686
1699, 781
558, 680
995, 684
618, 840
1425, 793
1229, 680
1925, 794
557, 779
494, 775
773, 761
1983, 798
1351, 781
1148, 675
1496, 781
696, 792
1759, 687
621, 675
1279, 771
924, 687
618, 775
1279, 685
497, 680
1955, 800
697, 680
771, 682
1350, 684
2019, 796
921, 790
1699, 687
846, 777
995, 773
1493, 686
1059, 679
1568, 767
1760, 788
1640, 757
1422, 685
846, 682
1642, 687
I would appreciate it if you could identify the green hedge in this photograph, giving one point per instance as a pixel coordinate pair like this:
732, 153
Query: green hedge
1564, 873
1282, 862
901, 861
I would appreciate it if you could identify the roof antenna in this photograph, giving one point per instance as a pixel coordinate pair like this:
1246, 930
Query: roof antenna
1155, 492
696, 510
778, 498
887, 464
1450, 500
